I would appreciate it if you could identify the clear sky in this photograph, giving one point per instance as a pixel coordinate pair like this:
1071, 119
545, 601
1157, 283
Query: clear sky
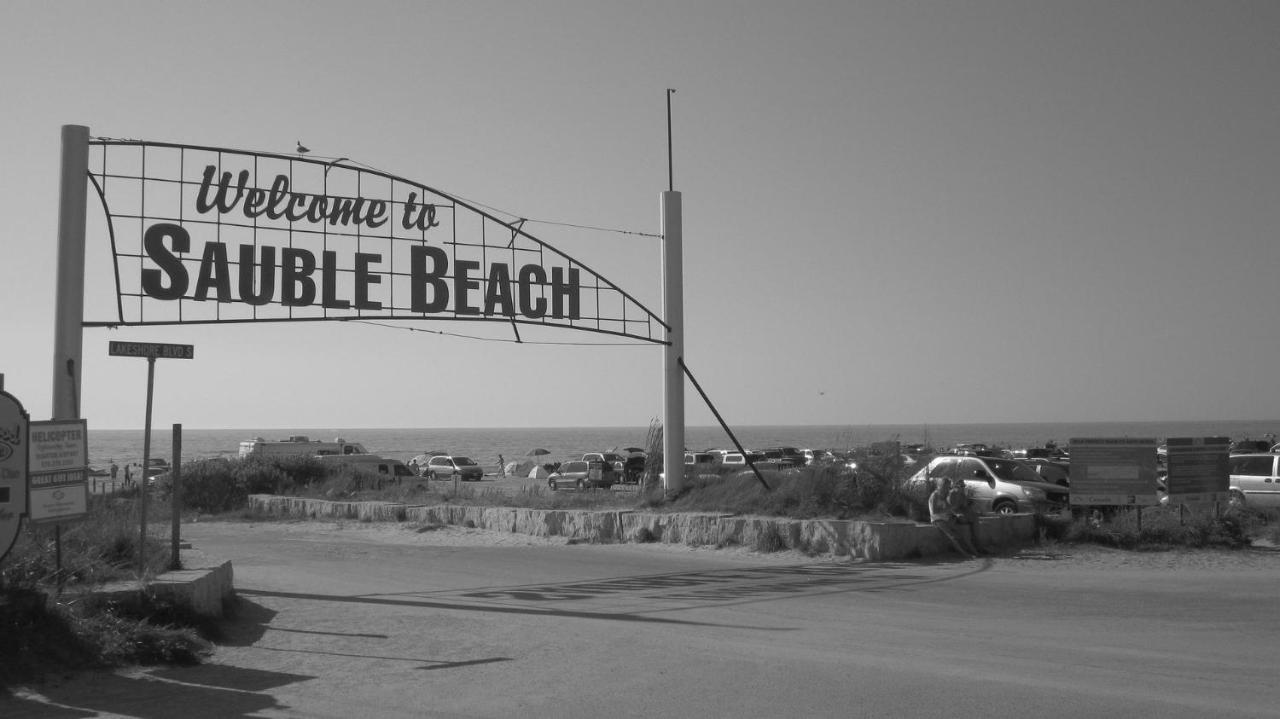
894, 212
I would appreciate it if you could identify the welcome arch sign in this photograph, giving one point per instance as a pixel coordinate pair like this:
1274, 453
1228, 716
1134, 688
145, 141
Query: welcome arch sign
212, 235
206, 235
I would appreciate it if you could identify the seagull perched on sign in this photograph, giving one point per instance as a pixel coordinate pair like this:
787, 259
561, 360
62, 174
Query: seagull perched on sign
302, 149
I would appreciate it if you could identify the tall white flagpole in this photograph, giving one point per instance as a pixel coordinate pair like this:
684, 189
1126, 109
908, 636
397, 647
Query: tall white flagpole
673, 310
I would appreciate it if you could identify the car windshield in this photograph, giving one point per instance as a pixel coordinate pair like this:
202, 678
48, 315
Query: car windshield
463, 461
1011, 471
573, 467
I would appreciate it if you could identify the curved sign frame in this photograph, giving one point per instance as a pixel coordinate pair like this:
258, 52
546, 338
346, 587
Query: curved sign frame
14, 426
204, 235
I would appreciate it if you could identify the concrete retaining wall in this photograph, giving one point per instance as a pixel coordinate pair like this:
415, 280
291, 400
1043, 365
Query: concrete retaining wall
876, 541
205, 590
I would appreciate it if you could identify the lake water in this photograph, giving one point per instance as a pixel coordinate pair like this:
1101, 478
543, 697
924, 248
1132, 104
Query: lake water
484, 445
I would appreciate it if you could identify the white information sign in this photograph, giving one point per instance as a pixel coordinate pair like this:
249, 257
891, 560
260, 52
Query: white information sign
58, 456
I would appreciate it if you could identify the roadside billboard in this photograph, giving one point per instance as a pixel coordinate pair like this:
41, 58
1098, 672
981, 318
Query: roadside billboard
1113, 471
59, 463
1198, 471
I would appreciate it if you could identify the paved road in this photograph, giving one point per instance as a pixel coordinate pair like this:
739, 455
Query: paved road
355, 622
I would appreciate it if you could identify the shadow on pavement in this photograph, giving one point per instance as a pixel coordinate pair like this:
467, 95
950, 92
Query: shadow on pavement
246, 624
191, 692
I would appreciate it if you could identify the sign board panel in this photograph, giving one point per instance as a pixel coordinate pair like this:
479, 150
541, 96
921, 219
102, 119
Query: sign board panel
151, 349
1198, 469
13, 469
227, 235
58, 456
1113, 471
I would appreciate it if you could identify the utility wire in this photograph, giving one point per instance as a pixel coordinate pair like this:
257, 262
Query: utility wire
512, 215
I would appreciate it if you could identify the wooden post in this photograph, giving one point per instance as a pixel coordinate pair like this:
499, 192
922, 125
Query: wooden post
175, 475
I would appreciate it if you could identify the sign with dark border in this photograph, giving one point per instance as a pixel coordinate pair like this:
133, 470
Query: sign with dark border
13, 469
158, 350
58, 464
1113, 471
1198, 472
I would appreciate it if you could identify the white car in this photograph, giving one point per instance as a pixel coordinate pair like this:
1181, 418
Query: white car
1255, 479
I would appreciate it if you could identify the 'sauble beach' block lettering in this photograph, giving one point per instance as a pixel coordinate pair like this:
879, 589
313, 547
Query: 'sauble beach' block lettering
433, 290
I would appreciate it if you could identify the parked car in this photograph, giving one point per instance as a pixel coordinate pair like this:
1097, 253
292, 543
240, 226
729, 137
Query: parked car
996, 486
785, 456
419, 463
1051, 471
1249, 446
447, 467
1255, 479
633, 469
703, 460
738, 459
583, 475
614, 459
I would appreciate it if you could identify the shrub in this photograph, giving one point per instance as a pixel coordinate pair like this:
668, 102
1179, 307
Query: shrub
212, 485
101, 548
1160, 528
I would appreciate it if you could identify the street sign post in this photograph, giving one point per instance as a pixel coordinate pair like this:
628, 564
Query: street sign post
14, 425
150, 350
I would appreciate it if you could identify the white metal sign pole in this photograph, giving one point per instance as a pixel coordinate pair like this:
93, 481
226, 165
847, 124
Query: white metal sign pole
69, 298
673, 374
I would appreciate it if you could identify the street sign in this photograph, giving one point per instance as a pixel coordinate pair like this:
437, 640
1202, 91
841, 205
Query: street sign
1198, 472
13, 469
59, 462
1113, 471
151, 349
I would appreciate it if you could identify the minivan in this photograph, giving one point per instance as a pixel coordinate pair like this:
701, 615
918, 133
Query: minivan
1255, 479
996, 486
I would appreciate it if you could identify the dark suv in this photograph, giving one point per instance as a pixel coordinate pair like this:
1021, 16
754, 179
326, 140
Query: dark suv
785, 456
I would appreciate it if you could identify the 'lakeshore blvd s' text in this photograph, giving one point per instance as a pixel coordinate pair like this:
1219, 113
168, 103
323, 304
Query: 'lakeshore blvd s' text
296, 277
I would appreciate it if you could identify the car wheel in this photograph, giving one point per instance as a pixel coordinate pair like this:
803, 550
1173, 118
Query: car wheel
579, 485
1005, 508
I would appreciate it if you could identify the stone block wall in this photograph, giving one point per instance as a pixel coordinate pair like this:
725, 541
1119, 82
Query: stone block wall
875, 541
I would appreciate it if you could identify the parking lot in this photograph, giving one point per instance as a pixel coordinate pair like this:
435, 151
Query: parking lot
358, 619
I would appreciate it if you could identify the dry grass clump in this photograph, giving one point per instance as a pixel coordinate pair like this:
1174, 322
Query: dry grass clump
50, 623
823, 491
1159, 528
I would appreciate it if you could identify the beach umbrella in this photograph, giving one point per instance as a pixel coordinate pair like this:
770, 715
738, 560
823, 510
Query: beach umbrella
538, 452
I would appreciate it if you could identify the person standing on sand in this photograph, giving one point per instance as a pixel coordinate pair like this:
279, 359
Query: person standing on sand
941, 517
502, 466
